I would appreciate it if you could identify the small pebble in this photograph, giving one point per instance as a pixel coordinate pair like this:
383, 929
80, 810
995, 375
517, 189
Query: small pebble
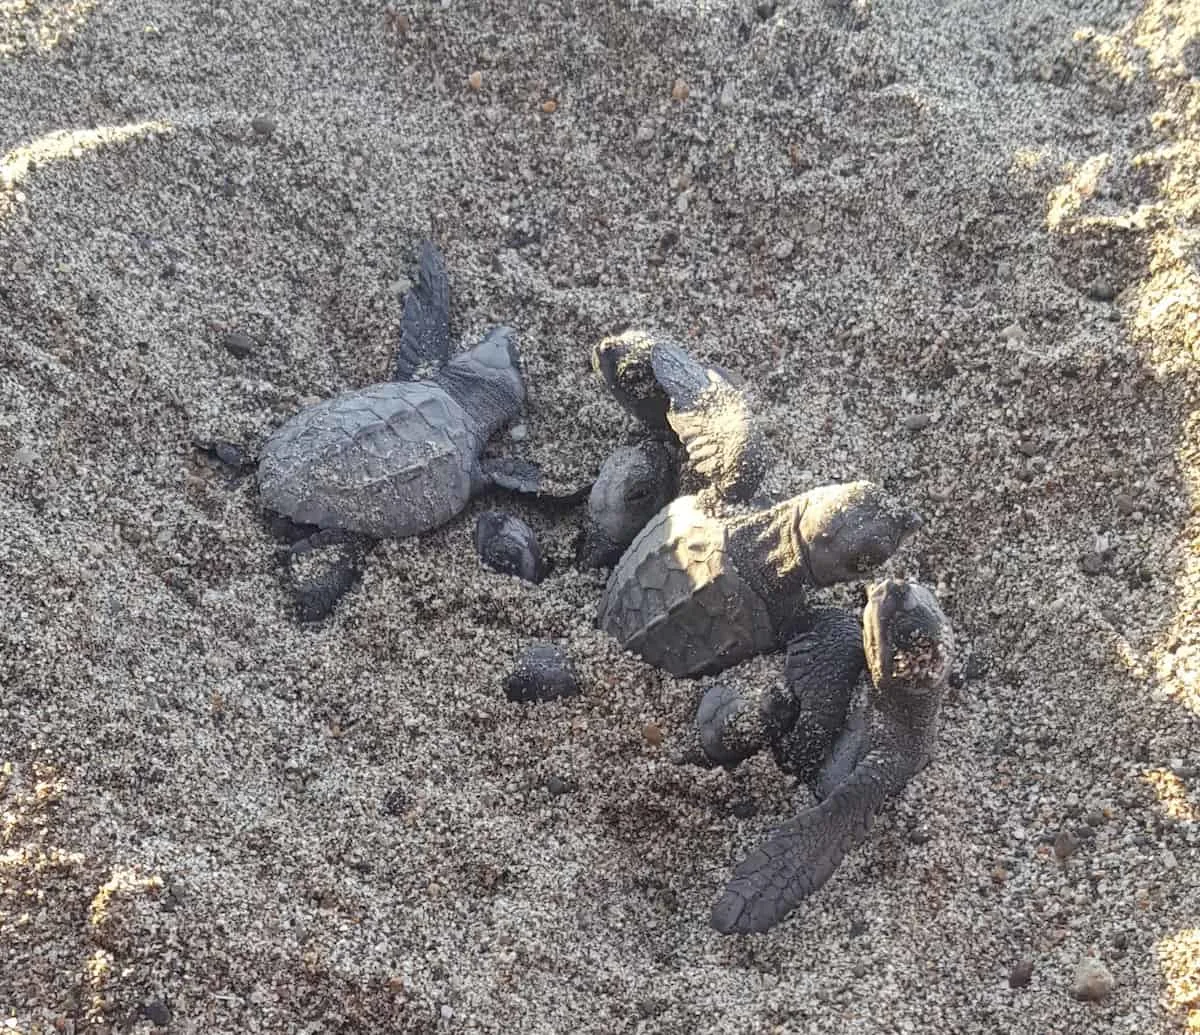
475, 80
556, 786
680, 91
156, 1012
1126, 504
1013, 332
644, 134
550, 106
518, 432
1093, 980
728, 97
543, 672
239, 343
263, 126
1021, 974
1065, 844
859, 970
1094, 818
447, 1012
653, 734
783, 249
1101, 290
744, 809
20, 267
1092, 563
764, 9
25, 456
920, 835
918, 421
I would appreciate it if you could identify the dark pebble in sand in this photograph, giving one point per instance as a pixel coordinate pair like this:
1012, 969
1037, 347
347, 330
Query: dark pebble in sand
1021, 974
543, 672
239, 344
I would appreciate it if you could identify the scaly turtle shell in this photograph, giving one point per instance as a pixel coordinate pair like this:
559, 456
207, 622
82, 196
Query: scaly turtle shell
676, 599
392, 460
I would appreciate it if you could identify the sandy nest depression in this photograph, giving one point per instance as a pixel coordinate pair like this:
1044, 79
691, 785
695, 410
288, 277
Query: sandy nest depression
952, 248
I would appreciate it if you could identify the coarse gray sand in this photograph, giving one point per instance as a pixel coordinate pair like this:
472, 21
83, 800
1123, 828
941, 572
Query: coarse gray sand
952, 246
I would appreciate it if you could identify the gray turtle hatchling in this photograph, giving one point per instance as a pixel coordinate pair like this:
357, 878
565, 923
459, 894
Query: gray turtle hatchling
403, 457
690, 410
908, 644
702, 588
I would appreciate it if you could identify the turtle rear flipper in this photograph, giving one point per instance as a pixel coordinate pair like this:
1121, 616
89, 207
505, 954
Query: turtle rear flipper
321, 569
803, 853
425, 327
713, 421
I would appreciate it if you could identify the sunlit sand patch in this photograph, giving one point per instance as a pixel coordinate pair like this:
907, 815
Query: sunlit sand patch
1179, 957
39, 25
1162, 310
64, 143
1172, 794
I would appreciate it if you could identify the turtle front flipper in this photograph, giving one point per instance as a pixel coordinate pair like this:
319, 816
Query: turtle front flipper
425, 327
803, 853
825, 660
725, 448
527, 478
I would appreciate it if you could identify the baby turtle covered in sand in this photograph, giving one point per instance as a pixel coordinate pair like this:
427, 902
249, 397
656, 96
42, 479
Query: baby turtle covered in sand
700, 434
908, 645
703, 587
398, 458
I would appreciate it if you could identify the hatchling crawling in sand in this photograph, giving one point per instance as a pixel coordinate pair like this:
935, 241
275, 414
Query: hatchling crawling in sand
699, 434
704, 586
907, 645
398, 458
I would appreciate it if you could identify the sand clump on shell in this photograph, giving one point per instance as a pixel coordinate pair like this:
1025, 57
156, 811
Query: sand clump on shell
946, 249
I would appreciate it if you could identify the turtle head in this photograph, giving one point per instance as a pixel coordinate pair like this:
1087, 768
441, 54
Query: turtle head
634, 484
486, 379
624, 364
907, 639
850, 529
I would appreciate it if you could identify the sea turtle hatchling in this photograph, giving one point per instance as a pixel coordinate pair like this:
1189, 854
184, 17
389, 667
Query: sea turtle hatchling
908, 644
700, 434
703, 587
402, 457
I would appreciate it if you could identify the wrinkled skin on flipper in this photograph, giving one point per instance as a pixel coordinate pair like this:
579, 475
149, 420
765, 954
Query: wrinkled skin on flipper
908, 644
824, 663
726, 450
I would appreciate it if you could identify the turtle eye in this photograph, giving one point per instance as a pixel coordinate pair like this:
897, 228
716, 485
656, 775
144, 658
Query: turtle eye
639, 495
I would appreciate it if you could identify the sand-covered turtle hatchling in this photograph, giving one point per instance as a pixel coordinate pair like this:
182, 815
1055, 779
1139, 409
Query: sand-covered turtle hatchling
705, 586
908, 644
700, 436
402, 457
